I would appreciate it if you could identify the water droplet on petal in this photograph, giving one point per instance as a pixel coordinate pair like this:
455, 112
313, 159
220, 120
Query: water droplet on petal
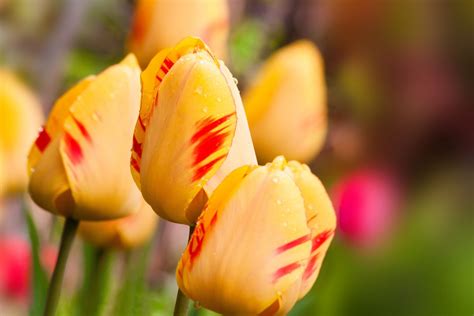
235, 81
275, 179
219, 99
198, 90
205, 109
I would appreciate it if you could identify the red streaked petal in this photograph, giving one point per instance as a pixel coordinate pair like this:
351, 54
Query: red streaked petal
293, 243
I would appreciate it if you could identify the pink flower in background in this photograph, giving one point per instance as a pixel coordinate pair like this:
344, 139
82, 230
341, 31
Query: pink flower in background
15, 266
366, 203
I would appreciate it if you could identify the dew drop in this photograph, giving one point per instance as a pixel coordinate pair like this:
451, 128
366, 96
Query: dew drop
235, 81
198, 90
219, 99
275, 179
205, 109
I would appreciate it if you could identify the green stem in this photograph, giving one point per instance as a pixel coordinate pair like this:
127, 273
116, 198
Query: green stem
100, 286
54, 290
182, 301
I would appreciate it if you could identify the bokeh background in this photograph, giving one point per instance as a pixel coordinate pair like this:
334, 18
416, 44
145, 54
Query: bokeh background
398, 158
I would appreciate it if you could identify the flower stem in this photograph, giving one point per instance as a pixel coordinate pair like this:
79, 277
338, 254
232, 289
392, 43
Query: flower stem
54, 290
182, 301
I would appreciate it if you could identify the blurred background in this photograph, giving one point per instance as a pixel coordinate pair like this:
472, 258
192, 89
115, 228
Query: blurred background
397, 160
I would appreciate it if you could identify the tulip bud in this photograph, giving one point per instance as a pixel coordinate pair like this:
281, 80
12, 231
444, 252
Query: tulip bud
20, 118
286, 104
15, 266
366, 202
127, 232
158, 24
79, 162
258, 245
191, 132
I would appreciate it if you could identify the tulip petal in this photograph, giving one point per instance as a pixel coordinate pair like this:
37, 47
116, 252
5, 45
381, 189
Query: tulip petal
242, 257
54, 125
189, 132
286, 104
151, 79
158, 24
48, 186
97, 141
20, 118
320, 216
127, 232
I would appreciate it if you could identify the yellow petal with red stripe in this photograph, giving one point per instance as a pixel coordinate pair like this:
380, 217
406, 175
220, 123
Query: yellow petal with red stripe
286, 104
258, 209
127, 232
161, 23
20, 119
54, 125
321, 220
96, 144
188, 131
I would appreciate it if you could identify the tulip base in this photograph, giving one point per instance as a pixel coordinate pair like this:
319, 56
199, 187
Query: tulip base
54, 290
181, 305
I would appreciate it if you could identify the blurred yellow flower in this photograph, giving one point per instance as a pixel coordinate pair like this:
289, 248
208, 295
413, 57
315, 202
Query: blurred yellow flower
158, 24
79, 164
191, 132
127, 232
286, 104
20, 119
260, 242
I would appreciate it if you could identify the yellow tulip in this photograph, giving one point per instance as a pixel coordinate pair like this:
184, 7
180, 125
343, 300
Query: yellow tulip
127, 232
79, 164
20, 119
259, 243
286, 104
191, 132
158, 24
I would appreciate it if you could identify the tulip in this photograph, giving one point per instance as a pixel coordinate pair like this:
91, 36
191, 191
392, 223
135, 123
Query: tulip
123, 233
191, 132
286, 104
259, 243
158, 24
15, 266
20, 118
79, 162
366, 202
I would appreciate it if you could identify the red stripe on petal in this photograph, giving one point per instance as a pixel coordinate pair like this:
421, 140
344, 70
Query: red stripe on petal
208, 124
311, 267
208, 145
43, 139
83, 129
73, 149
168, 63
285, 270
137, 147
201, 171
293, 243
319, 239
135, 164
213, 219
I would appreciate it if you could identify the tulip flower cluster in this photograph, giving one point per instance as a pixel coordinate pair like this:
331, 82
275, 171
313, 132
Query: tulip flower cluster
260, 232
